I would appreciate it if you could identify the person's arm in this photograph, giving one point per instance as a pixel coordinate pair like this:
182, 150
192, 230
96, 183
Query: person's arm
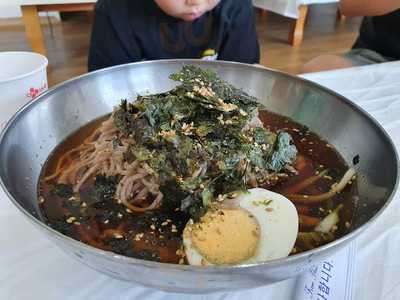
111, 42
368, 7
241, 43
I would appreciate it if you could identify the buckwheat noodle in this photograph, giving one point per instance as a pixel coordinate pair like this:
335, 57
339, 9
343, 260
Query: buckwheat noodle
99, 154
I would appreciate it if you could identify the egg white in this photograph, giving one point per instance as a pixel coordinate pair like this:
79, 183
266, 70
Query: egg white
278, 221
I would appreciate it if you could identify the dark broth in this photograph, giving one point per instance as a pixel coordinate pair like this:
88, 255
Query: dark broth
156, 235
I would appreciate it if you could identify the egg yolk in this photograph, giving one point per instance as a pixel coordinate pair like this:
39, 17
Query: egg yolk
226, 236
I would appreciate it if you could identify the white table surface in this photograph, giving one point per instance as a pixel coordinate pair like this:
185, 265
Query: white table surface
375, 88
287, 8
32, 268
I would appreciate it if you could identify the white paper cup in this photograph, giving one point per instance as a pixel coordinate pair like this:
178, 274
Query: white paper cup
23, 77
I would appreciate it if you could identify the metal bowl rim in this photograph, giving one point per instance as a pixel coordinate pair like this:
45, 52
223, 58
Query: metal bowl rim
272, 263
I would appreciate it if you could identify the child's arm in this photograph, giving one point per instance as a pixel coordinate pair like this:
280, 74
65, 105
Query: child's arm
241, 43
111, 43
368, 8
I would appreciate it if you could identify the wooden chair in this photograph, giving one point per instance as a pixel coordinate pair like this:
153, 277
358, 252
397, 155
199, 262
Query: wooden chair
33, 28
296, 33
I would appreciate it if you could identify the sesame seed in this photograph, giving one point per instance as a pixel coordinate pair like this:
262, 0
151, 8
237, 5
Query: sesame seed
164, 223
84, 204
173, 228
120, 215
118, 236
242, 112
169, 220
139, 236
77, 223
106, 221
202, 186
153, 227
347, 224
128, 211
41, 200
71, 220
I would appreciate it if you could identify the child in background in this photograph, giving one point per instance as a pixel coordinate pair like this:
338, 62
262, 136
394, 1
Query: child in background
379, 39
126, 31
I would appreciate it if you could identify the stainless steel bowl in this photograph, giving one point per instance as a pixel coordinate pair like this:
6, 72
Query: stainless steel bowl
39, 127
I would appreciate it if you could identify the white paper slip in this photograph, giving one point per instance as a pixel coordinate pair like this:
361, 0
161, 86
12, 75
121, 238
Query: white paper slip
332, 279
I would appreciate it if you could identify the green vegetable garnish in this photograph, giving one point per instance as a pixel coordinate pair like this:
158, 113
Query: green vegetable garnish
63, 191
198, 141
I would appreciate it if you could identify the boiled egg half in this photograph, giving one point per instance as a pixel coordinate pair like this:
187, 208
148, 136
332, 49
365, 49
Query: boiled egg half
254, 227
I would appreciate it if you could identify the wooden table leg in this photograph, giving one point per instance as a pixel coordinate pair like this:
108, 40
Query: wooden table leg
339, 16
297, 31
263, 13
33, 28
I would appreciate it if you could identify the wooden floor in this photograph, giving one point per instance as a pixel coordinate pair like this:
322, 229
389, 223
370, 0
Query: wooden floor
68, 41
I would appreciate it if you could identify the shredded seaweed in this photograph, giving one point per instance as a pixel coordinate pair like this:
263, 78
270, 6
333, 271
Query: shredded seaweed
197, 138
285, 152
63, 191
310, 240
104, 187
